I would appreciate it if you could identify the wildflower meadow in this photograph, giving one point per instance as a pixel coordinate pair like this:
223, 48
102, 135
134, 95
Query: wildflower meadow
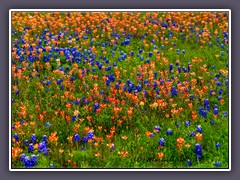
119, 90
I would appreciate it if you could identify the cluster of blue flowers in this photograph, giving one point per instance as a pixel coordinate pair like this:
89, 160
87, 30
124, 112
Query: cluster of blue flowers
202, 112
29, 161
43, 148
85, 139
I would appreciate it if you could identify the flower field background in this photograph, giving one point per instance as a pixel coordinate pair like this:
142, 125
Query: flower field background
120, 90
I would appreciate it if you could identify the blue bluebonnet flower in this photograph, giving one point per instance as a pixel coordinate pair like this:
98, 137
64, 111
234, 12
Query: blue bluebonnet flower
174, 91
217, 164
48, 124
77, 102
212, 122
138, 88
169, 132
156, 128
130, 88
117, 86
215, 111
108, 68
164, 25
225, 114
198, 150
48, 83
33, 138
161, 142
204, 114
225, 34
26, 142
90, 135
51, 166
74, 118
218, 76
177, 125
44, 138
189, 162
192, 134
218, 145
72, 78
17, 92
85, 139
178, 51
206, 102
226, 83
128, 82
170, 67
42, 146
30, 148
146, 81
220, 91
16, 137
150, 54
76, 138
207, 108
187, 123
22, 157
59, 81
191, 97
100, 65
199, 129
219, 83
27, 162
108, 82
